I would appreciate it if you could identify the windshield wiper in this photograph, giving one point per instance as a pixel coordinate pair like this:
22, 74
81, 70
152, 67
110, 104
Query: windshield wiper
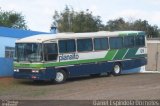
30, 61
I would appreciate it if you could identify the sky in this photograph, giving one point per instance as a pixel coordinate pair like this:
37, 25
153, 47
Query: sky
38, 13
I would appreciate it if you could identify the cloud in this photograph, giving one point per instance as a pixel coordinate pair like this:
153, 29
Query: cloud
94, 9
154, 2
155, 18
38, 13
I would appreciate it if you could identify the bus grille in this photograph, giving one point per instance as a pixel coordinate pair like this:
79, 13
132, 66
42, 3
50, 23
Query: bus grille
25, 70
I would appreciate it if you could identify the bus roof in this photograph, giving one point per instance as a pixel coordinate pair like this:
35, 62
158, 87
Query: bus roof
45, 37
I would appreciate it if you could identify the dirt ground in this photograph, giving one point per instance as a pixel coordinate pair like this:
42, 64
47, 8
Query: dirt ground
132, 86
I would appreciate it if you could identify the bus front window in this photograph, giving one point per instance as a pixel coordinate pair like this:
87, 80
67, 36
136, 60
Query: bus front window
50, 51
28, 52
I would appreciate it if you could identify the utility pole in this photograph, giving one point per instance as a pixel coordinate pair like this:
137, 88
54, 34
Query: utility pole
69, 18
69, 21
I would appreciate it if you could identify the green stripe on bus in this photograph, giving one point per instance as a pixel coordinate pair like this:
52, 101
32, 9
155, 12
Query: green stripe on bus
128, 34
116, 54
141, 33
110, 54
73, 62
28, 65
43, 65
120, 54
131, 53
132, 34
123, 34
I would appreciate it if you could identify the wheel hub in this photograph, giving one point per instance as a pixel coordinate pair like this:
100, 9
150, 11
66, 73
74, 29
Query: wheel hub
59, 77
117, 69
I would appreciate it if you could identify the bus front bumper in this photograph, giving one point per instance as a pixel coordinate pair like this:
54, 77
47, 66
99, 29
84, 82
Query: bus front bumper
48, 74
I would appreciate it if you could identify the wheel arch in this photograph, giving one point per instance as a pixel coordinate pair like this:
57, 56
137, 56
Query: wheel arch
65, 70
114, 71
120, 63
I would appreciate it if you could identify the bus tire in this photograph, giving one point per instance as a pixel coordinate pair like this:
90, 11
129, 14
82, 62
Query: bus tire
61, 77
117, 69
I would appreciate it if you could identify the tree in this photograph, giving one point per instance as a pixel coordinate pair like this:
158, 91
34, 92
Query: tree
140, 25
84, 21
152, 31
12, 19
117, 24
71, 21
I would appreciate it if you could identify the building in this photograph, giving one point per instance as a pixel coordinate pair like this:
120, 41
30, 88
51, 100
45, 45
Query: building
153, 46
8, 36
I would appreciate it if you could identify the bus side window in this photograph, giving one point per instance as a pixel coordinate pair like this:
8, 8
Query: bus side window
140, 40
67, 46
50, 51
101, 44
129, 41
116, 42
84, 45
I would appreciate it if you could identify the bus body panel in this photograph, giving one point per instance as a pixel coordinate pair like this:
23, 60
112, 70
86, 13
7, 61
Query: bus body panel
46, 74
88, 69
82, 69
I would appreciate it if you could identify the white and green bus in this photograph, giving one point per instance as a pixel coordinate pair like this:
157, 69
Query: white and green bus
64, 55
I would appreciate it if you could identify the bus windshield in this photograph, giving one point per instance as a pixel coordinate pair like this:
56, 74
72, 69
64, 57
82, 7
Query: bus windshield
28, 52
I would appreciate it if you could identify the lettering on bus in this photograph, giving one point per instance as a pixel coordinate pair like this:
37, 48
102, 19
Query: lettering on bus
65, 57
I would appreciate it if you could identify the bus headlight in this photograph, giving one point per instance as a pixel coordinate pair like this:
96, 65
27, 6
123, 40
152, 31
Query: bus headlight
35, 71
16, 70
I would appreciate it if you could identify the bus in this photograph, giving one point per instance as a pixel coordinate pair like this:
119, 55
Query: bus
64, 55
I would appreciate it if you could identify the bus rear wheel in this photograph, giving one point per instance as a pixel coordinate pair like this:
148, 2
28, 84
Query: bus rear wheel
116, 69
61, 77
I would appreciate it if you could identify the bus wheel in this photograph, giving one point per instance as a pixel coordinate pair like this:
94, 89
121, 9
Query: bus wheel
61, 77
116, 69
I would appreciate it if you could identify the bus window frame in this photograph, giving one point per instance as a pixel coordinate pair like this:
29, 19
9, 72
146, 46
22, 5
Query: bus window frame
67, 52
140, 45
88, 50
124, 41
107, 43
116, 37
43, 48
